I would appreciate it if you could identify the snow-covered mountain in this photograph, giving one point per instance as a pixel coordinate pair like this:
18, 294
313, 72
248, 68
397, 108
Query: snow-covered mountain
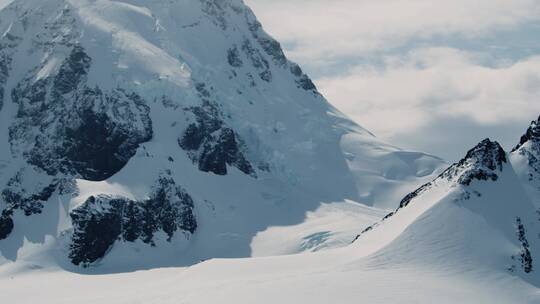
145, 133
476, 212
526, 159
139, 134
471, 235
481, 214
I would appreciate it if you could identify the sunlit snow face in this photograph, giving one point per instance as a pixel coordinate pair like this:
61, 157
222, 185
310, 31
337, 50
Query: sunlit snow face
434, 76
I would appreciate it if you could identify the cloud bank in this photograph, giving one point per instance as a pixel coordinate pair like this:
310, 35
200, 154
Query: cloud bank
430, 75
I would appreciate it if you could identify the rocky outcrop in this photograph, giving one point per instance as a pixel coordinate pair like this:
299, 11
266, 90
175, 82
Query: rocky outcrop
273, 49
481, 163
216, 11
233, 57
260, 54
529, 148
5, 63
8, 41
77, 130
532, 135
302, 81
210, 143
270, 46
103, 220
257, 60
6, 225
17, 197
97, 225
72, 71
525, 256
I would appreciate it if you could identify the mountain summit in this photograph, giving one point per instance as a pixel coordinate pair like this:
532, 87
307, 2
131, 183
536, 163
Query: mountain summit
151, 133
480, 213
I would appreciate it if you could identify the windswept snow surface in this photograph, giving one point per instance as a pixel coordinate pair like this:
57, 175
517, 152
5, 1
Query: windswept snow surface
208, 168
339, 275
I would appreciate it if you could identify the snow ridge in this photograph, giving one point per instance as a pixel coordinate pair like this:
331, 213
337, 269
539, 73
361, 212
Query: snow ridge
484, 185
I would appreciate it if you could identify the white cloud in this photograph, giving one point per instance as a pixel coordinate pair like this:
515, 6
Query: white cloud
321, 30
429, 75
432, 84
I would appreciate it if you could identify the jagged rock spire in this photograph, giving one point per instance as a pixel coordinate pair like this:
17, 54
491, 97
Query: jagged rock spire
533, 133
487, 153
480, 163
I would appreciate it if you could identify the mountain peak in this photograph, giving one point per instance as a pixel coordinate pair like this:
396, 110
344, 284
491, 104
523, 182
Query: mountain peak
480, 163
119, 94
488, 154
477, 199
526, 158
532, 134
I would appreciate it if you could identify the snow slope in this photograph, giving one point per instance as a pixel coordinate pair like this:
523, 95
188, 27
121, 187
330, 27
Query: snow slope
469, 236
146, 146
525, 158
307, 278
475, 215
143, 133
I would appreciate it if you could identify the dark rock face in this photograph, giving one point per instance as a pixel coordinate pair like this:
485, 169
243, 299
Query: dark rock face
233, 57
6, 225
72, 71
409, 197
257, 60
77, 130
210, 143
4, 69
103, 220
97, 226
214, 148
216, 151
7, 43
62, 30
303, 80
169, 209
525, 253
16, 197
481, 163
264, 49
32, 204
532, 134
215, 10
269, 45
529, 146
488, 154
273, 49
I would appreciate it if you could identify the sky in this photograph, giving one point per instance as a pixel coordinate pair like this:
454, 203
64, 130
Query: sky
435, 76
428, 75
